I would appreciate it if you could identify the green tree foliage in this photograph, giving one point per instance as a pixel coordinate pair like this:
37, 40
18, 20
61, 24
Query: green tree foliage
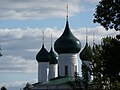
77, 83
108, 14
111, 57
96, 66
106, 64
3, 88
106, 67
85, 76
116, 85
118, 36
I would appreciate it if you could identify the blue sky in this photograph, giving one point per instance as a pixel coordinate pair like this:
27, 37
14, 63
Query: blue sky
80, 16
75, 21
21, 25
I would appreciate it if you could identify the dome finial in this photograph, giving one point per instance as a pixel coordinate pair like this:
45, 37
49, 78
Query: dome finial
67, 12
86, 35
93, 38
51, 40
0, 51
43, 37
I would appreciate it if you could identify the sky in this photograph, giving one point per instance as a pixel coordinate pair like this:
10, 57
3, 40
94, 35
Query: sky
21, 25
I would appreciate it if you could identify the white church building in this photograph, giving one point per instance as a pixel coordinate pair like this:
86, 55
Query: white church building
51, 66
54, 71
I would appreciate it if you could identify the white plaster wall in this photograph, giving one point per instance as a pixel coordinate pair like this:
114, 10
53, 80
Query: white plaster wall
53, 71
69, 60
43, 71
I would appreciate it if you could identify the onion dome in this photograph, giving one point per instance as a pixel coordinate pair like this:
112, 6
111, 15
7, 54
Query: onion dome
53, 57
86, 53
43, 55
67, 42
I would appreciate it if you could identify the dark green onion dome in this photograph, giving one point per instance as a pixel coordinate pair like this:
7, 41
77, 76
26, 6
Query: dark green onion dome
43, 55
67, 42
86, 53
53, 57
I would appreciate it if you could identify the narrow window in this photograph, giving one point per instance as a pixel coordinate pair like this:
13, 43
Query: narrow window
66, 70
58, 71
75, 68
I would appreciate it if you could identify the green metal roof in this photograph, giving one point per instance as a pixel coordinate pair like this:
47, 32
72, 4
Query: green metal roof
58, 80
53, 57
62, 80
67, 42
86, 53
43, 55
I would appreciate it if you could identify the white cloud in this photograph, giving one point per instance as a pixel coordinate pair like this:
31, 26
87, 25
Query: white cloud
17, 85
88, 5
41, 9
36, 9
21, 46
93, 1
17, 64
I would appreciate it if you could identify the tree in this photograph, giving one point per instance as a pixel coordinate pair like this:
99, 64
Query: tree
27, 87
77, 83
111, 56
3, 88
85, 70
110, 60
108, 14
105, 64
96, 66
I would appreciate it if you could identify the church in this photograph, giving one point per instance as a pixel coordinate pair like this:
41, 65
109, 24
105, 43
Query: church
55, 70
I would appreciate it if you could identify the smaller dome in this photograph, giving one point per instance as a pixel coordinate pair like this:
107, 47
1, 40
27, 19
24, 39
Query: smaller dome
53, 57
43, 55
86, 53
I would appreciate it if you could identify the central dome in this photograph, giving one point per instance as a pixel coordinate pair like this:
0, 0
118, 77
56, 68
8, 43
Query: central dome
67, 42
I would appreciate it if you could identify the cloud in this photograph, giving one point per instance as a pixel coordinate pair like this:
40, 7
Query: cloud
20, 46
36, 9
42, 9
92, 1
88, 5
17, 64
17, 85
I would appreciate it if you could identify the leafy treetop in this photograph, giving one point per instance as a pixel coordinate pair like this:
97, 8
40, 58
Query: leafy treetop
108, 14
